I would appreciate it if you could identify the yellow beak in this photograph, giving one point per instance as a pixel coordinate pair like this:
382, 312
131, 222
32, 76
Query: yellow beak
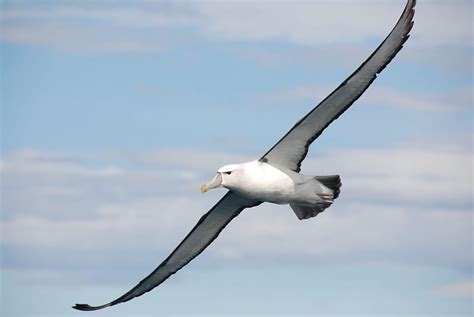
215, 182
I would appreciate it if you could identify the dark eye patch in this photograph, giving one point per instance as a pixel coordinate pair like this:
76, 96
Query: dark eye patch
228, 173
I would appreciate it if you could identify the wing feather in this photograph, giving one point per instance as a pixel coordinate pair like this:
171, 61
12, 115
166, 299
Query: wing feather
204, 232
293, 147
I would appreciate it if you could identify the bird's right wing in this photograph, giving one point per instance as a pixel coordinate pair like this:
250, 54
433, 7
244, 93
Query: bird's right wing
292, 148
205, 231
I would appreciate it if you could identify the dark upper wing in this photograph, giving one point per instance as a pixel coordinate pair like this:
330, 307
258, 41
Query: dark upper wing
205, 231
291, 150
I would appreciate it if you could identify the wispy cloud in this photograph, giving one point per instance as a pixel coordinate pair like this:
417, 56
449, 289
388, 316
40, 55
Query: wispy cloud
150, 26
456, 290
93, 27
459, 99
180, 158
313, 23
401, 175
394, 208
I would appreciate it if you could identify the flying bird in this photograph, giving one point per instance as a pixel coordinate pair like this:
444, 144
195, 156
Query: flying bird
275, 177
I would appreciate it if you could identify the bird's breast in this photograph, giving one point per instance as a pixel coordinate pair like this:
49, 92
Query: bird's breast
262, 181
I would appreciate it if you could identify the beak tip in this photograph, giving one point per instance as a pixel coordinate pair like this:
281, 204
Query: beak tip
203, 189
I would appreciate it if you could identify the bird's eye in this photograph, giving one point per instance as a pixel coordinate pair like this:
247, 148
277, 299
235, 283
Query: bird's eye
228, 173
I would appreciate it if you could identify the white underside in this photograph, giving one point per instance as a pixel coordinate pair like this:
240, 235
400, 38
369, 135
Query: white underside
261, 181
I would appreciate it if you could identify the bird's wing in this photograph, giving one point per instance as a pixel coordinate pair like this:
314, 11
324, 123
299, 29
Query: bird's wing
291, 150
205, 231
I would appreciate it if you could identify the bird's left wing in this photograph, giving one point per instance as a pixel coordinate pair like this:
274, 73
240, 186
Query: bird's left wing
290, 151
205, 231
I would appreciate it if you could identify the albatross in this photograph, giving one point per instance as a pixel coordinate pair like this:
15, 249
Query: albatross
275, 177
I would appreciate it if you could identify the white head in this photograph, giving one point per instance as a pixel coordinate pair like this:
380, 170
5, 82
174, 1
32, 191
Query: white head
227, 176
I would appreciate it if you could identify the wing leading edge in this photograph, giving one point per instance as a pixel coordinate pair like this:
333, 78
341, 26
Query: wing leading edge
204, 232
291, 150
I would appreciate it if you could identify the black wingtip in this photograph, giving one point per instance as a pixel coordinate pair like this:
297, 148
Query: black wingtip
87, 307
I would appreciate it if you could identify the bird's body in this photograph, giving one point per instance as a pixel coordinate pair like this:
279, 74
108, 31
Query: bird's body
262, 181
275, 176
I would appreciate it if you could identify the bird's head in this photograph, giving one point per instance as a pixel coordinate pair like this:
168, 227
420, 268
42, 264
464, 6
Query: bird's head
226, 177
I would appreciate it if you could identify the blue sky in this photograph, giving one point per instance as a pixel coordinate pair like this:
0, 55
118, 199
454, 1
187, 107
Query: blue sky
113, 115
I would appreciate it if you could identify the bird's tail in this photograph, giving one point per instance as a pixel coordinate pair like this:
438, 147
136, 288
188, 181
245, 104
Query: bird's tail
306, 212
332, 182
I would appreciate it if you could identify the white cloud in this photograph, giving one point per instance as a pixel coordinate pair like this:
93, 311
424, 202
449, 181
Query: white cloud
35, 162
91, 27
353, 233
316, 22
306, 23
409, 175
459, 99
150, 26
114, 226
356, 233
190, 158
443, 23
456, 290
407, 206
58, 187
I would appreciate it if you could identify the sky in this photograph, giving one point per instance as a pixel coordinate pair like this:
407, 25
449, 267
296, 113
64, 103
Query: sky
114, 113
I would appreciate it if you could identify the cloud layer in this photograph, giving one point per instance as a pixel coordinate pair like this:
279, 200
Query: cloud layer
397, 206
150, 26
459, 99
